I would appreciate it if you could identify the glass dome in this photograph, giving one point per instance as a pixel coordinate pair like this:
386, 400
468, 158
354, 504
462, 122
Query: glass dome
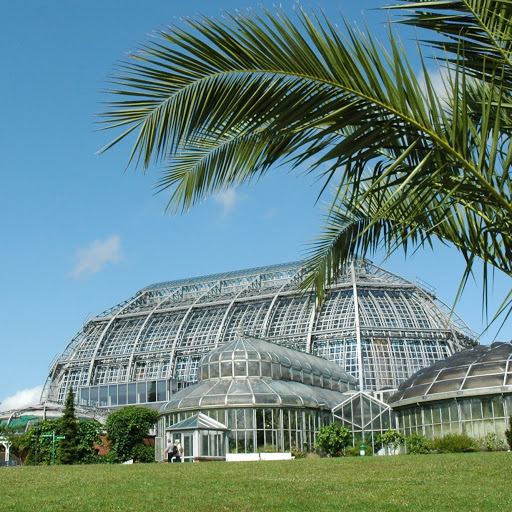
252, 357
485, 369
251, 392
263, 393
250, 372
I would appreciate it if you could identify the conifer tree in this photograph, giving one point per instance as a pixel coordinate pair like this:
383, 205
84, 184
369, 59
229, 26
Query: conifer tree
69, 429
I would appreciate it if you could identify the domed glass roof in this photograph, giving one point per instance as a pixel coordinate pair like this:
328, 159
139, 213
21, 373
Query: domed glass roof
252, 357
484, 369
251, 372
251, 392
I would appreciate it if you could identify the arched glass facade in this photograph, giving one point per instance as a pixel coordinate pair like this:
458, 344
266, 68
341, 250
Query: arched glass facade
253, 429
468, 393
377, 326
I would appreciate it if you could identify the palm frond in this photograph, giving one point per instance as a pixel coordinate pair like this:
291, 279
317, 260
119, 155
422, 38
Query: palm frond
481, 29
221, 101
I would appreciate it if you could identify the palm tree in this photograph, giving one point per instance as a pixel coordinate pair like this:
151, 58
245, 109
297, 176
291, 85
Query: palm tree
222, 101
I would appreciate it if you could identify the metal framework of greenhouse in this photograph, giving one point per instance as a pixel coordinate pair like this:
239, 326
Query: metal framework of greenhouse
378, 326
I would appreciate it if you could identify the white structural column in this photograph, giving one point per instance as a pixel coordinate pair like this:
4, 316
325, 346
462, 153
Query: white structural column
7, 445
312, 318
358, 327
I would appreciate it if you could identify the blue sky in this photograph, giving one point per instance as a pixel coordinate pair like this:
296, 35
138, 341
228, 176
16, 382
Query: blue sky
80, 234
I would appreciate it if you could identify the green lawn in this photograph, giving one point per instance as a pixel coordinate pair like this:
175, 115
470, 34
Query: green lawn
451, 482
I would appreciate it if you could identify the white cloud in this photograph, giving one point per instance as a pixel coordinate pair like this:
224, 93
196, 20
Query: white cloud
227, 198
94, 258
22, 398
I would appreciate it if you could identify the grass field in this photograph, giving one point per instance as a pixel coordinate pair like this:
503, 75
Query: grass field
451, 482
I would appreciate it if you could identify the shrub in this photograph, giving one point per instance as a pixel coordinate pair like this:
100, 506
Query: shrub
144, 453
298, 454
89, 432
267, 448
68, 426
333, 439
126, 430
454, 443
417, 443
390, 437
491, 443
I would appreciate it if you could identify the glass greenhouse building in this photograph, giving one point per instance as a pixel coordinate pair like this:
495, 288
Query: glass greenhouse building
258, 394
378, 327
468, 393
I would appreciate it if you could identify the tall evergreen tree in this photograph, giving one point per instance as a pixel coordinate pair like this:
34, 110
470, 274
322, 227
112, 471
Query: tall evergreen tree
69, 429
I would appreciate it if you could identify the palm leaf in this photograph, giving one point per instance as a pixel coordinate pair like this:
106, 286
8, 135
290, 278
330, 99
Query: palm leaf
222, 101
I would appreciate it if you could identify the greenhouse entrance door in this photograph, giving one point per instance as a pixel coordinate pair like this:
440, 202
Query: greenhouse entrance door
188, 447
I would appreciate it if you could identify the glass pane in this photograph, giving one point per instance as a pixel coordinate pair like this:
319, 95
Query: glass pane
161, 395
454, 412
483, 381
265, 369
84, 396
112, 394
93, 396
240, 368
152, 391
121, 394
253, 368
226, 370
487, 368
204, 446
103, 396
436, 413
141, 392
187, 446
498, 407
465, 410
476, 409
445, 385
132, 393
214, 370
487, 408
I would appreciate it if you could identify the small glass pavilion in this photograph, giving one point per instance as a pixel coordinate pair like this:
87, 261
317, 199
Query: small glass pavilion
201, 437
